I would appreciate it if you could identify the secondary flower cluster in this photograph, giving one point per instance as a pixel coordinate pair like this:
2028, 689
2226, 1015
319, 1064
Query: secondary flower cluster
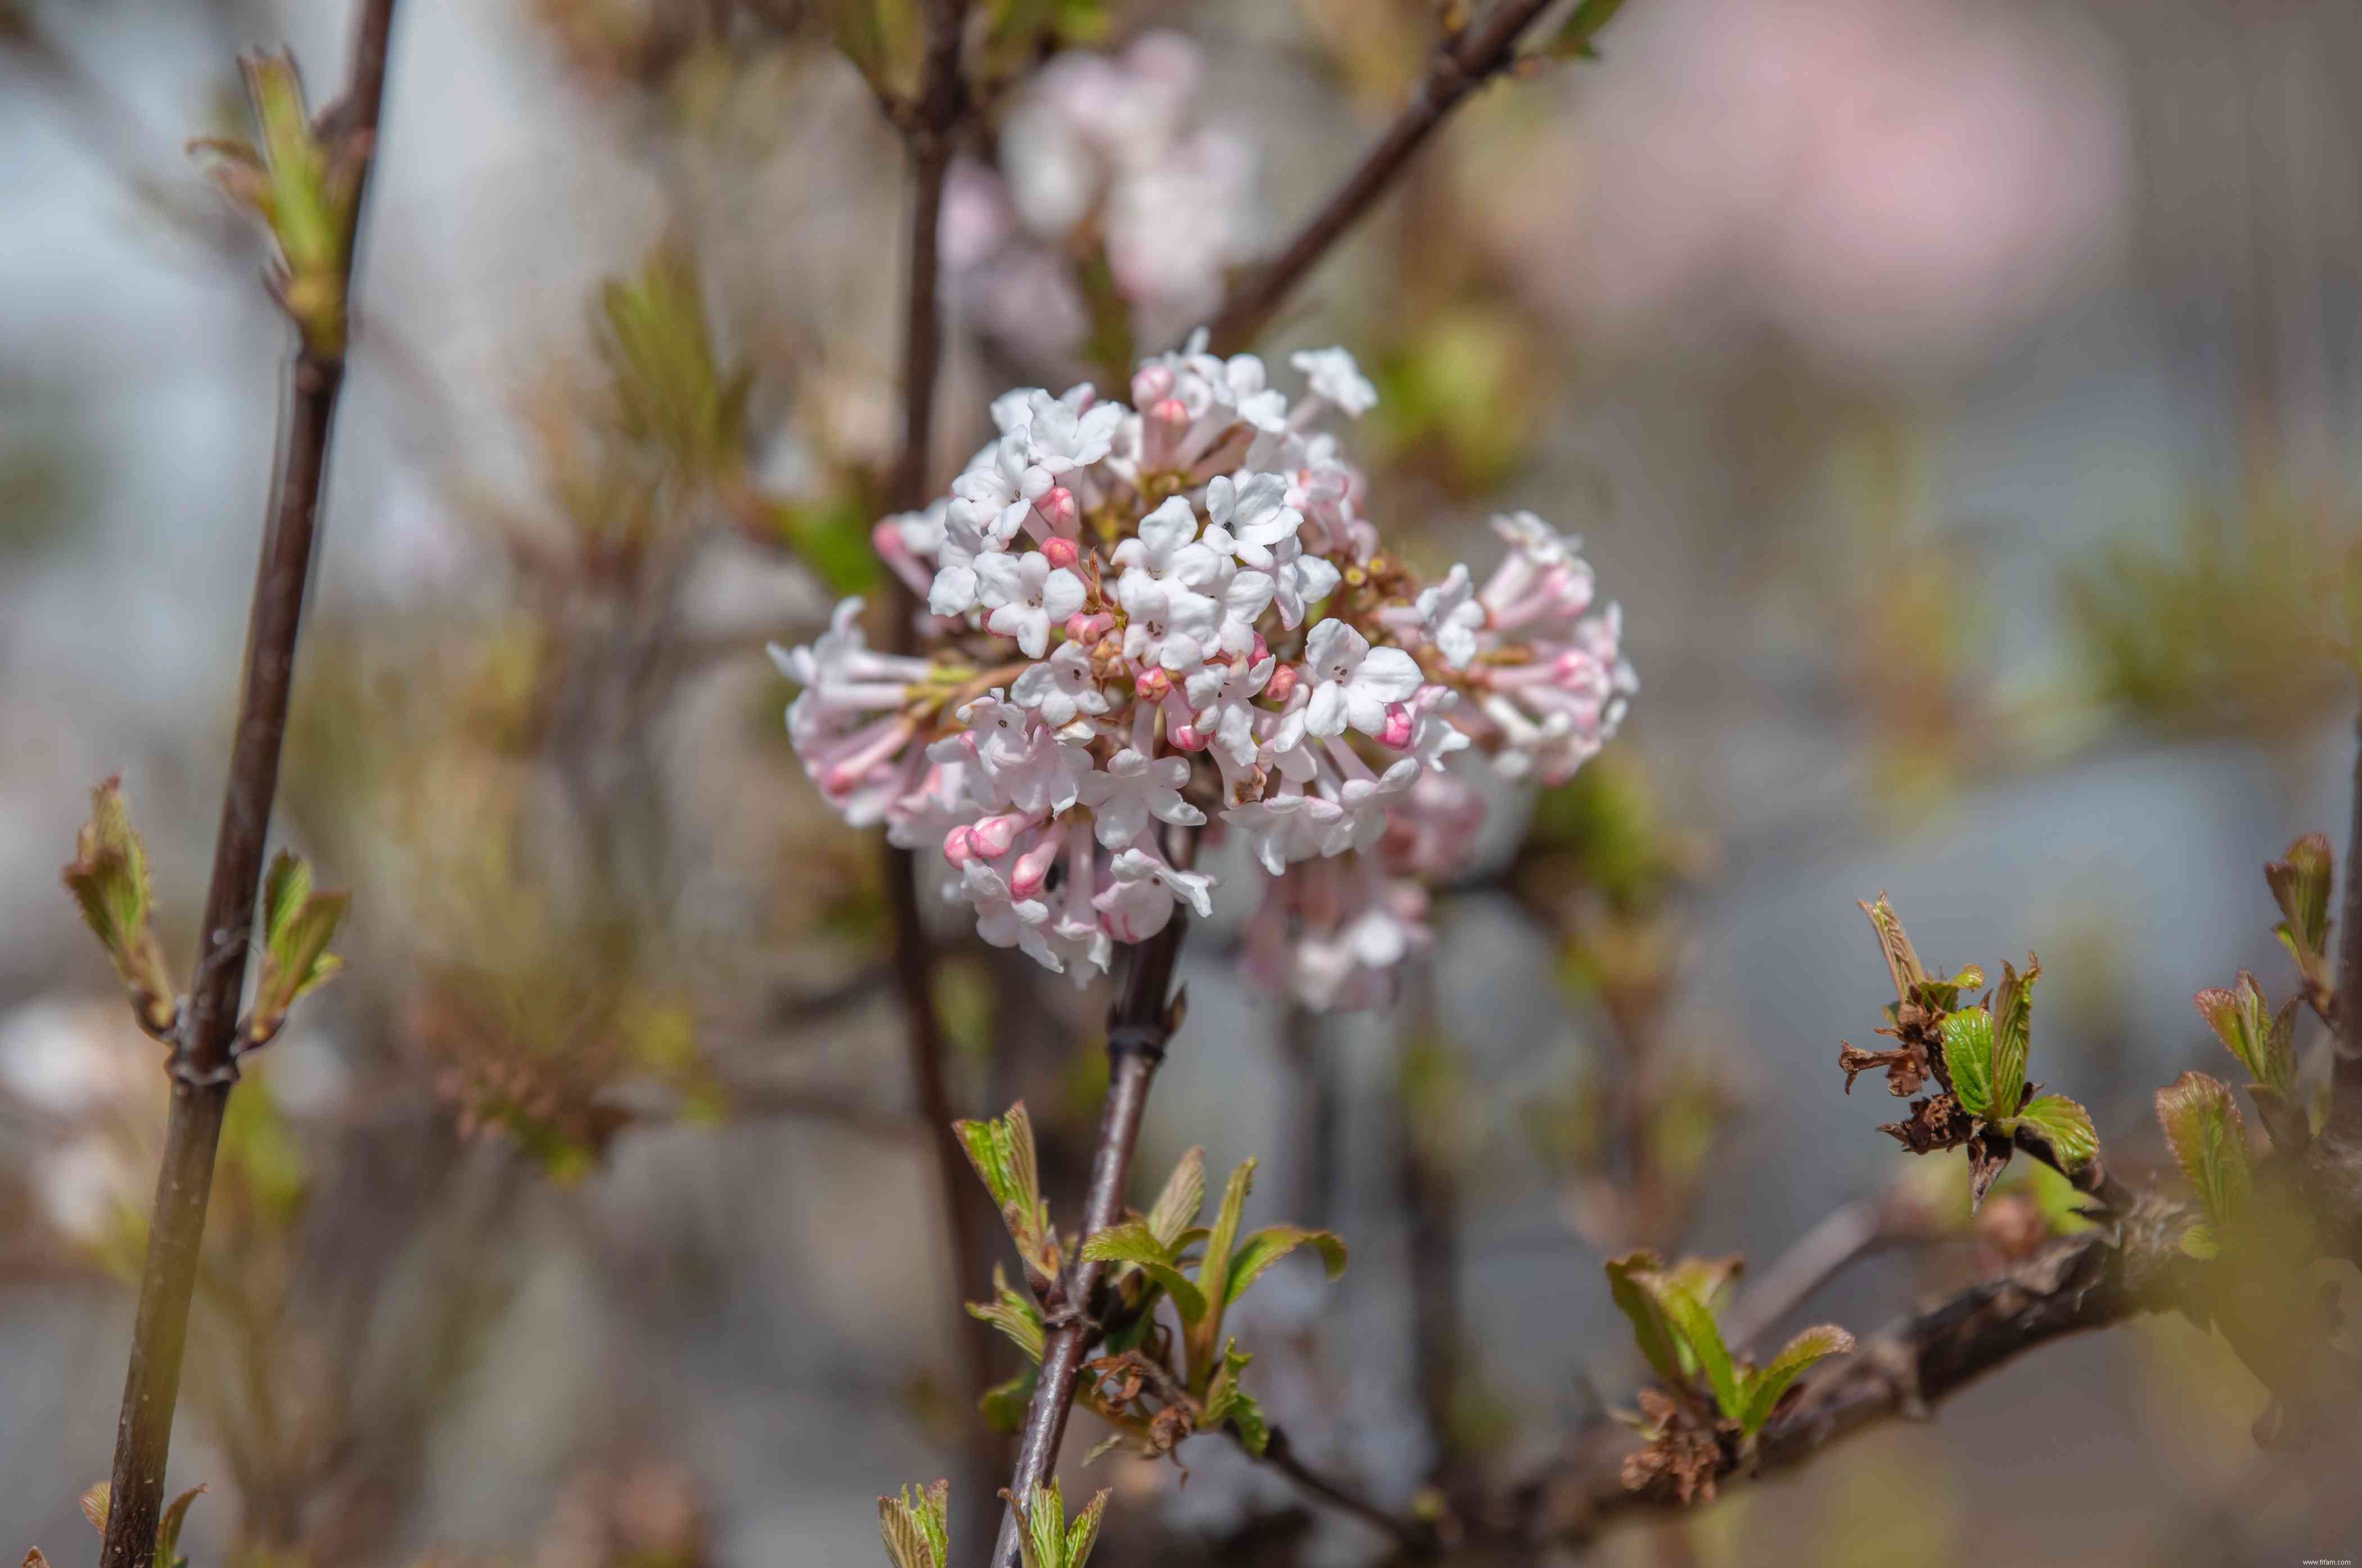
1178, 613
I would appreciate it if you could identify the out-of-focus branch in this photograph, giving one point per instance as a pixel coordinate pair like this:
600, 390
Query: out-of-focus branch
1139, 1027
1847, 1233
2346, 1075
1462, 65
2098, 1277
204, 1066
1414, 1538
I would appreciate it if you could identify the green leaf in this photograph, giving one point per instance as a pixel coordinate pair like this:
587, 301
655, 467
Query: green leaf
916, 1526
1001, 1150
2200, 1242
2202, 1127
1969, 1058
1225, 1401
2013, 1027
1176, 1207
1133, 1242
1696, 1327
1048, 1541
298, 925
669, 382
2243, 1021
1004, 1405
1014, 1315
110, 883
2300, 886
2066, 1126
1651, 1331
1764, 1388
1083, 1533
1273, 1242
1902, 962
1214, 1274
168, 1529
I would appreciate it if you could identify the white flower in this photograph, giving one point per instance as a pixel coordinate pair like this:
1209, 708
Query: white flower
1164, 550
1354, 680
1332, 374
1242, 601
956, 585
1062, 435
1221, 695
998, 489
1020, 760
1299, 581
1449, 615
1060, 687
1537, 540
1133, 789
1027, 594
1169, 625
1247, 520
1138, 901
1266, 409
1434, 737
1004, 920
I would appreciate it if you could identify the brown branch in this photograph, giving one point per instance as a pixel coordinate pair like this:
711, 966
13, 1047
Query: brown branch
204, 1066
1847, 1233
2102, 1277
1139, 1026
1463, 64
1415, 1538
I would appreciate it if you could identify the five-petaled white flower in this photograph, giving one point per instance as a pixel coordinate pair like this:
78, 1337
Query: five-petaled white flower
1448, 613
1061, 687
1135, 789
1223, 696
1247, 520
1061, 435
1138, 901
1354, 680
1004, 920
1169, 625
1164, 549
1027, 593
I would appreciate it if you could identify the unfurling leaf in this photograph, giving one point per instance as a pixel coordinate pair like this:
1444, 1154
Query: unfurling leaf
2301, 885
1578, 38
95, 1505
1047, 1540
1225, 1402
1133, 1242
1014, 1315
1969, 1058
168, 1529
1651, 1330
33, 1559
2243, 1021
1176, 1207
1765, 1387
2065, 1126
1988, 1154
305, 190
1695, 1327
297, 926
1273, 1242
1004, 1405
2202, 1127
2013, 1027
1214, 1275
916, 1526
1001, 1149
1902, 962
109, 880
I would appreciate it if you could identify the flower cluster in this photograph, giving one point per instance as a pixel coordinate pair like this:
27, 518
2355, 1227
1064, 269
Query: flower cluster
1110, 150
1179, 613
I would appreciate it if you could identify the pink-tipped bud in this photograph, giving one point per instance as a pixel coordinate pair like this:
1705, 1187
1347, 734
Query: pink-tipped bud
1060, 552
1188, 737
886, 538
1151, 384
1398, 727
1258, 653
1033, 867
991, 837
1169, 414
1058, 509
1283, 683
1082, 627
1153, 683
957, 849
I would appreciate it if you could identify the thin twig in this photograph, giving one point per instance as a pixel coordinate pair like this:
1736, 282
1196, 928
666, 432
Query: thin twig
1139, 1026
1414, 1537
928, 124
204, 1068
1458, 69
1844, 1234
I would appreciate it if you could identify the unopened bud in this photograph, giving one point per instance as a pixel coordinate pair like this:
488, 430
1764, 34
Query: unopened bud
1060, 551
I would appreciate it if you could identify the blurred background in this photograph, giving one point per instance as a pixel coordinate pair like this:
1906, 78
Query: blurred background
1956, 394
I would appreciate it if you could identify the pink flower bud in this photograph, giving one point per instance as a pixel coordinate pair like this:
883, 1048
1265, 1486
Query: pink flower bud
991, 837
957, 848
1153, 683
1059, 510
1258, 653
1283, 683
1082, 627
1398, 727
1187, 737
1151, 384
1061, 552
1033, 867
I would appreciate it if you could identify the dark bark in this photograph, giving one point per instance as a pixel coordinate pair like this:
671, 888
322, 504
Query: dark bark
204, 1066
1458, 69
